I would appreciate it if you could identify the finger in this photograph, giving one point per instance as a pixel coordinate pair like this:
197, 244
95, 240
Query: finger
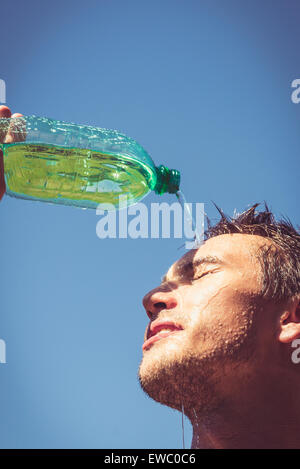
5, 114
5, 111
2, 180
17, 129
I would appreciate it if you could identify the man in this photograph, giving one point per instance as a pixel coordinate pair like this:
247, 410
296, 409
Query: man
223, 324
222, 328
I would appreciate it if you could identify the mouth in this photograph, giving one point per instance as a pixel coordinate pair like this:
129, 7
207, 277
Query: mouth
160, 330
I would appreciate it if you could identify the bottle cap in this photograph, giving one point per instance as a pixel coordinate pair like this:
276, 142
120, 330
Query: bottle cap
168, 180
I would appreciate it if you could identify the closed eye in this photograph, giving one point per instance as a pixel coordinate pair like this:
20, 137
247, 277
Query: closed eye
202, 275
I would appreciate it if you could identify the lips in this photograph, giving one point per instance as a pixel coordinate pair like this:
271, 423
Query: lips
160, 330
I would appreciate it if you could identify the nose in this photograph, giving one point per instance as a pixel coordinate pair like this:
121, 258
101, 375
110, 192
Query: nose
161, 298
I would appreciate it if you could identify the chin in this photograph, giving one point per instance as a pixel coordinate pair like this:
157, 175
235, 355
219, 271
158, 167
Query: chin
159, 372
178, 378
160, 380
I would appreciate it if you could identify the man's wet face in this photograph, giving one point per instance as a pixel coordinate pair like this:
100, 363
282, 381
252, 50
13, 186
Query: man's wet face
203, 321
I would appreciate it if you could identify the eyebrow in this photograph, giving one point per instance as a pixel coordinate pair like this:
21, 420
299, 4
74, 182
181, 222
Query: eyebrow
192, 265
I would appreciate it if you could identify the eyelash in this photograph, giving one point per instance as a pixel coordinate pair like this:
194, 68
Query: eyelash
201, 275
196, 278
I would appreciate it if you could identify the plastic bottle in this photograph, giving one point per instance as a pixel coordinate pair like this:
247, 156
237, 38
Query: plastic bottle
70, 164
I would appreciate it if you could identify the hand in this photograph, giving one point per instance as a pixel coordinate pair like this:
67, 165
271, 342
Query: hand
5, 136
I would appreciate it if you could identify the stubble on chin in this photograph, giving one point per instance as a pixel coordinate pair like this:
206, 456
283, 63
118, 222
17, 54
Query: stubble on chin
194, 380
180, 381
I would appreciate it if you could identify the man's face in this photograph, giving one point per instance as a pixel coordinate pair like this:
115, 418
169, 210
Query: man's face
204, 317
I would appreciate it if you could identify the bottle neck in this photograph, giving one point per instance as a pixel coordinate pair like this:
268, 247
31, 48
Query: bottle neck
168, 180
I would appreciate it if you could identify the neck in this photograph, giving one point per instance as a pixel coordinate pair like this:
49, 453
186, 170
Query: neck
267, 417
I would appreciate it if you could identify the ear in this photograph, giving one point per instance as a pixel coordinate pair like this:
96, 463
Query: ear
290, 323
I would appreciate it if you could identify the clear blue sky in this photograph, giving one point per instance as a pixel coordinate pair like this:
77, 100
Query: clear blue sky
205, 87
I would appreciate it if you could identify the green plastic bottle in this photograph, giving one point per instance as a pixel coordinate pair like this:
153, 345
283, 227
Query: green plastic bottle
70, 164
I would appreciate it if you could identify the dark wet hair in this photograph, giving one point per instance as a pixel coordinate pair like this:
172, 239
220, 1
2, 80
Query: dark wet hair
280, 261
